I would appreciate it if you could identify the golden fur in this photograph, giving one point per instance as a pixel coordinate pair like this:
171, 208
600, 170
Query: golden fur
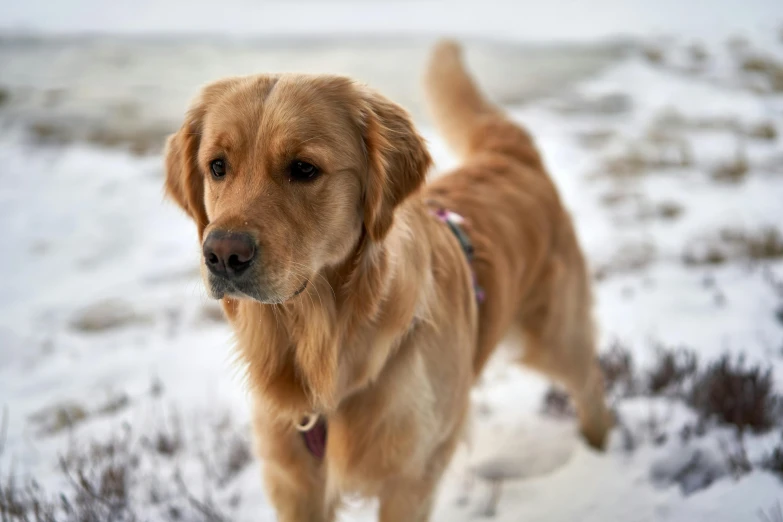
387, 339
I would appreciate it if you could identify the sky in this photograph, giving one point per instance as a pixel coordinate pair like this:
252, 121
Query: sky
560, 20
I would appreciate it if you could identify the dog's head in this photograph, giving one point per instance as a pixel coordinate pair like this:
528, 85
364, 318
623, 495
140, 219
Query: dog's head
284, 174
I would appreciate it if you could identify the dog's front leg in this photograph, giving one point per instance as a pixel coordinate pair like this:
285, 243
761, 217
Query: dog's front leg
296, 497
408, 500
411, 498
293, 478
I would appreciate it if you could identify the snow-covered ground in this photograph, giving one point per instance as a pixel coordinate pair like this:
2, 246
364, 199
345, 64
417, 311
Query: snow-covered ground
669, 154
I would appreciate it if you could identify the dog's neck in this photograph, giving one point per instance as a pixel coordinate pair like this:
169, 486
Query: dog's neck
335, 338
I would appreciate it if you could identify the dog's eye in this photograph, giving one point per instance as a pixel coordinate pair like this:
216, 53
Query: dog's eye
218, 168
303, 171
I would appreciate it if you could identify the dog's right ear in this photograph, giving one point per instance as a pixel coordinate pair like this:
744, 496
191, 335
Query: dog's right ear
398, 161
184, 179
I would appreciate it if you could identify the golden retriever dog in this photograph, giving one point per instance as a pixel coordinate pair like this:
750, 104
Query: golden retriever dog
350, 284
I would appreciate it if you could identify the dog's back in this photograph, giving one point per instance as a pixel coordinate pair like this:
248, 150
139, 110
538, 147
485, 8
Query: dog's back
527, 257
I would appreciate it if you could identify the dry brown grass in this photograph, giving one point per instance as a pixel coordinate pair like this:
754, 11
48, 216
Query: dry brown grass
756, 63
631, 257
733, 171
760, 245
125, 477
766, 67
698, 53
671, 122
620, 195
669, 210
733, 244
630, 204
108, 315
763, 131
609, 104
137, 141
596, 139
58, 417
641, 158
653, 54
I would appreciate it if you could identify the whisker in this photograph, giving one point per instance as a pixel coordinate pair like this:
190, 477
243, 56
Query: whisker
318, 275
309, 283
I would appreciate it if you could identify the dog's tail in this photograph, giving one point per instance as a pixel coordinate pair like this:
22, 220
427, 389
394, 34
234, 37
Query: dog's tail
463, 115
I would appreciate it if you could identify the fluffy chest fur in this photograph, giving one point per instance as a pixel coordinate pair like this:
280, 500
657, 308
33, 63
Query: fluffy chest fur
388, 370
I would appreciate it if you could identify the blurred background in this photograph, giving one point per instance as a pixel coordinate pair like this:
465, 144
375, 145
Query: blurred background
659, 120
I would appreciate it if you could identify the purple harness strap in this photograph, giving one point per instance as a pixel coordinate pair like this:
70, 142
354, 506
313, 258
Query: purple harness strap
315, 438
454, 221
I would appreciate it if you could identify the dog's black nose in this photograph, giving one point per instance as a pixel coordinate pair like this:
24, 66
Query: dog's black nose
229, 254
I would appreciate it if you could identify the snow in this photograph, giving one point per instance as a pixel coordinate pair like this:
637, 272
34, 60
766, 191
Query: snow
103, 314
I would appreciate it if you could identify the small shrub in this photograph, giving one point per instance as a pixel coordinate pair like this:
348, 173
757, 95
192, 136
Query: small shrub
733, 394
557, 403
618, 368
672, 368
122, 478
773, 461
736, 457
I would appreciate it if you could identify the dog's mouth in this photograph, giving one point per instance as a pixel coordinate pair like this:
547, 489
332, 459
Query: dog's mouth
221, 287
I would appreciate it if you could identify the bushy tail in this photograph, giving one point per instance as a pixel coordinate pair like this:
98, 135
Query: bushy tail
464, 116
456, 103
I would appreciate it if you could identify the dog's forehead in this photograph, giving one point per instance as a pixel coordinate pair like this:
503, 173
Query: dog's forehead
292, 105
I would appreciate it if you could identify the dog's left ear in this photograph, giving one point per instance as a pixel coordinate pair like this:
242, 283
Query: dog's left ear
184, 179
398, 161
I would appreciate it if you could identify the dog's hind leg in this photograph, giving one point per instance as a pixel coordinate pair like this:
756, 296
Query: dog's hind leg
560, 343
